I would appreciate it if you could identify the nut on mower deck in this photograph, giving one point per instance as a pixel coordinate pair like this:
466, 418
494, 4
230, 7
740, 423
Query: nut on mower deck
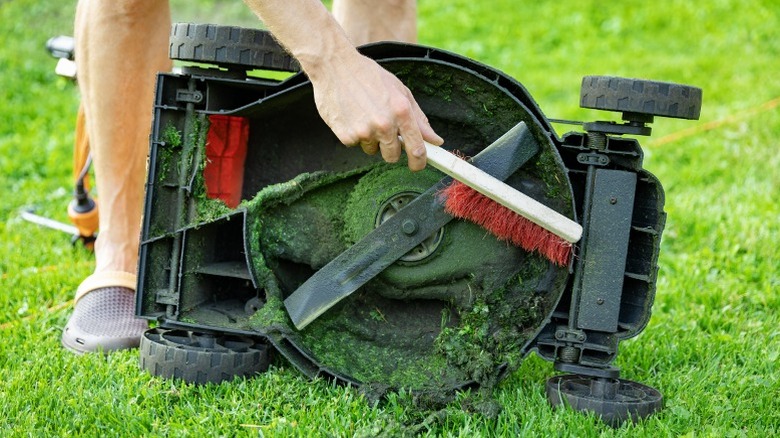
250, 198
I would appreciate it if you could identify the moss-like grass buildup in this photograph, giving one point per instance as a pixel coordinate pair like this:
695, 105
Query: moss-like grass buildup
461, 315
171, 136
494, 330
375, 188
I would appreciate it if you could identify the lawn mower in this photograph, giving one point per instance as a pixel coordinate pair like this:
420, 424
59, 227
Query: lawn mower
252, 200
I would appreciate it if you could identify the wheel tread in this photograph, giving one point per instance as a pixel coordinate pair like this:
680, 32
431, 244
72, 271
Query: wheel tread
655, 98
196, 364
229, 46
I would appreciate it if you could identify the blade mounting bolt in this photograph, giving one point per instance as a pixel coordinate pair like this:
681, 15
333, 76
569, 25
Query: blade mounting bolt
409, 227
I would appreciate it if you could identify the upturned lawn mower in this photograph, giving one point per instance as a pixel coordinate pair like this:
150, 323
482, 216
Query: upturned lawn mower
263, 233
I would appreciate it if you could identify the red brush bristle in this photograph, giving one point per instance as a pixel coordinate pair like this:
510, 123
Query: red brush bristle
463, 202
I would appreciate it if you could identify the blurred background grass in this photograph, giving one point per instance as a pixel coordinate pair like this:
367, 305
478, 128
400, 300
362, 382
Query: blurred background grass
712, 345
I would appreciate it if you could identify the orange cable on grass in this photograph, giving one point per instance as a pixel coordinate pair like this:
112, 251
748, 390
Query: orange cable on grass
714, 124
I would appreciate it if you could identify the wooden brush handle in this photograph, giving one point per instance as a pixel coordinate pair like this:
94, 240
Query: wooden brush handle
504, 194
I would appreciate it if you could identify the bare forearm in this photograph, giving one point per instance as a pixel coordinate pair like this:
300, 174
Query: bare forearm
360, 101
306, 29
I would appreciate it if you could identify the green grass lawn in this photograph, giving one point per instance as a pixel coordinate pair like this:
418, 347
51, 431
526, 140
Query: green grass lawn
712, 346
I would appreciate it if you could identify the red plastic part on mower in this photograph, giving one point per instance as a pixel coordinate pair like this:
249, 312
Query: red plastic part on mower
226, 143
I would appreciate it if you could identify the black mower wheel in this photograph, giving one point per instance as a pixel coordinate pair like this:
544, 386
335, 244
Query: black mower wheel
234, 48
613, 400
200, 357
652, 98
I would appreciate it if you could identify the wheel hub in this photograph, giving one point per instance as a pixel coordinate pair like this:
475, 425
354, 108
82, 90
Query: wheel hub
390, 207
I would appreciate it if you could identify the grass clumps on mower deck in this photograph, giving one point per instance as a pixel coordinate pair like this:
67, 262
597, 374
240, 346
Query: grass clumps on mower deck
492, 333
272, 227
458, 313
375, 188
460, 316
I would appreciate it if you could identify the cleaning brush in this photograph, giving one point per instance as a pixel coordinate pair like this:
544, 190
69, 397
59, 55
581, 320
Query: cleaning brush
507, 213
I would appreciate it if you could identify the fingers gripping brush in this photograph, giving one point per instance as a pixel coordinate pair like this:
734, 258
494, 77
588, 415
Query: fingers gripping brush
507, 213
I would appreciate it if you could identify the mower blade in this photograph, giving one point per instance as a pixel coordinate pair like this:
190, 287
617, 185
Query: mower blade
400, 234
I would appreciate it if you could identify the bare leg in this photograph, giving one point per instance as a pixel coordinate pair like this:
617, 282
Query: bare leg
367, 21
120, 46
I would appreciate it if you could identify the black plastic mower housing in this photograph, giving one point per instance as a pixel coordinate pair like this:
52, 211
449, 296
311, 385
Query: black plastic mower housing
198, 267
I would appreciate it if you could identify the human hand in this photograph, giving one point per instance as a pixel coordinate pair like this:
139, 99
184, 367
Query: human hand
360, 101
366, 105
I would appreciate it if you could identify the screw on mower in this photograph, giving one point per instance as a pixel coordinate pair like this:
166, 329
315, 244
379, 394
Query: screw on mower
396, 293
